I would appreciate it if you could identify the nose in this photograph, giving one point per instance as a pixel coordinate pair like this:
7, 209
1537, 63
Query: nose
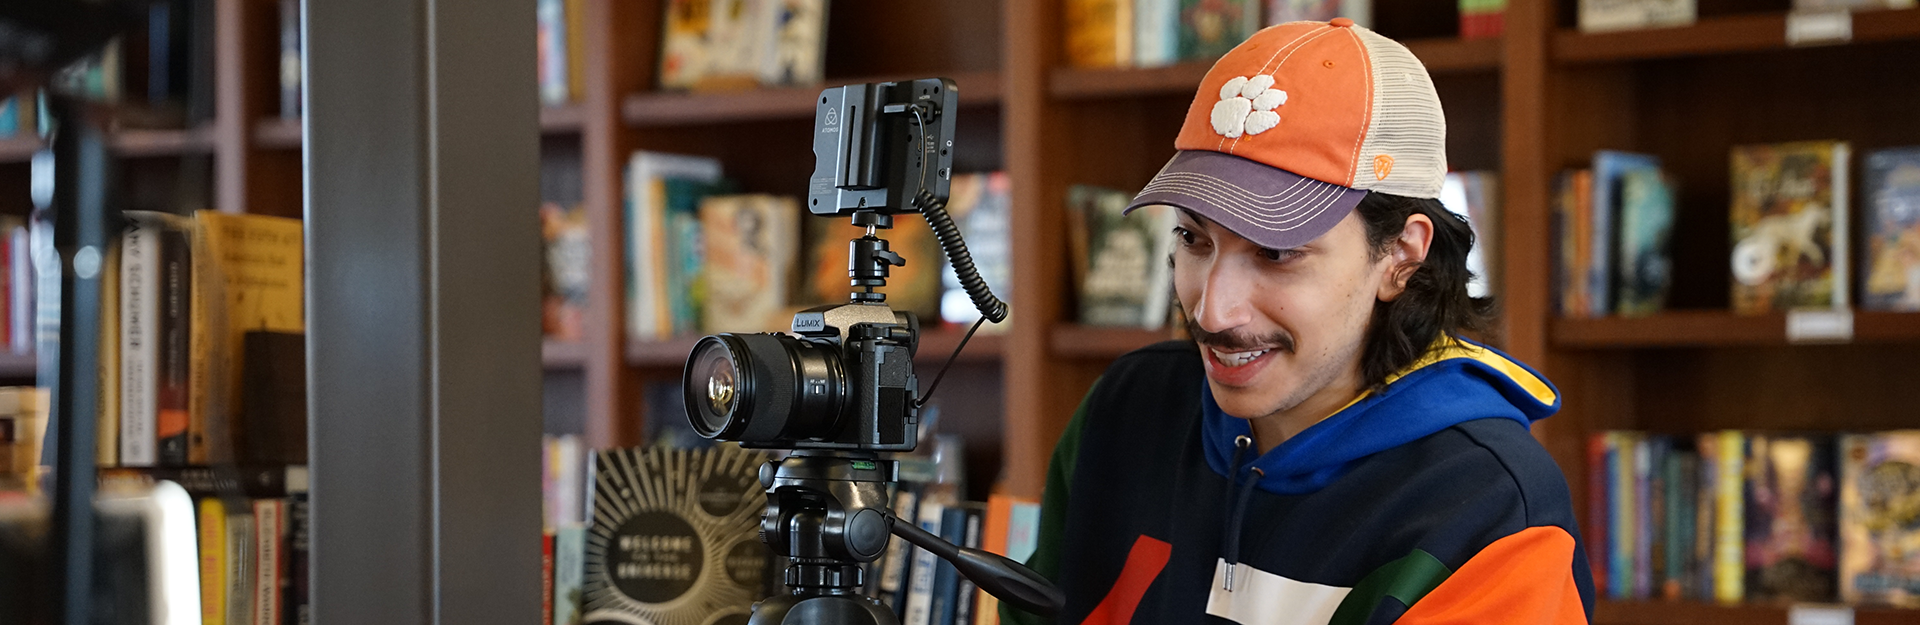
1223, 298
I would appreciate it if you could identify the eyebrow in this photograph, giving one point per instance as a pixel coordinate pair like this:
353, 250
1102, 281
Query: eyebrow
1195, 219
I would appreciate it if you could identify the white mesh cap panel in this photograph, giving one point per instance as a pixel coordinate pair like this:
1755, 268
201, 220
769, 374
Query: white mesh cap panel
1407, 126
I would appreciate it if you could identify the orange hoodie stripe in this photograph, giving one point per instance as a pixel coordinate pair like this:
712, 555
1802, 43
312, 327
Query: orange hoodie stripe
1526, 577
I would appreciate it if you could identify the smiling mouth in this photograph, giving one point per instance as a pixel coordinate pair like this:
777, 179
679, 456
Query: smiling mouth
1238, 359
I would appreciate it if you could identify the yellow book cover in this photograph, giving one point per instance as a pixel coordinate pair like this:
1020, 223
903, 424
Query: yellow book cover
248, 275
107, 426
576, 50
752, 246
213, 561
1729, 549
1099, 33
1789, 226
914, 287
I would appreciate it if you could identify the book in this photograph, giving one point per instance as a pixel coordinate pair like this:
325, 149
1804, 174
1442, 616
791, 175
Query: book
299, 599
546, 577
1156, 32
1706, 514
1482, 19
576, 47
155, 284
683, 42
1474, 195
795, 50
918, 608
270, 527
107, 418
1791, 491
212, 524
651, 234
241, 576
290, 53
1598, 16
248, 274
1120, 260
1609, 167
1880, 518
914, 287
1644, 261
674, 536
569, 569
26, 284
896, 563
1099, 33
943, 603
1283, 11
1572, 232
1891, 261
1209, 28
982, 207
1599, 505
550, 19
752, 252
1729, 531
1789, 226
965, 600
568, 271
1621, 492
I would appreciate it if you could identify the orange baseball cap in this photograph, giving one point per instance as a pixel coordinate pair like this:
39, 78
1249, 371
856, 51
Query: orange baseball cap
1296, 124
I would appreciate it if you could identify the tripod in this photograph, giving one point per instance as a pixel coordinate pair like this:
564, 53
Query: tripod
827, 509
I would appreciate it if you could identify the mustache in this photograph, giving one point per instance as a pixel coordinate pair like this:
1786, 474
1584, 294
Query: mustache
1234, 341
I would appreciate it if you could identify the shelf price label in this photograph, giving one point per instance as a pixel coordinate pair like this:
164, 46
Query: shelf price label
1820, 326
1814, 28
1812, 614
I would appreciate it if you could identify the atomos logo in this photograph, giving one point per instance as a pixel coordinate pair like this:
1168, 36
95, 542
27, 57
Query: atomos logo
832, 123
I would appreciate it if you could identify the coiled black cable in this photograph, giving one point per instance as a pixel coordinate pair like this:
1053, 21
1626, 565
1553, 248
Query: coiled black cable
935, 210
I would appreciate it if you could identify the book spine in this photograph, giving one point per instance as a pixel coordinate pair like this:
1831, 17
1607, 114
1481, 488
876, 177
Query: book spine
213, 559
171, 391
963, 600
546, 578
139, 355
1674, 550
269, 527
551, 38
1842, 280
919, 604
898, 559
299, 601
953, 529
107, 423
290, 59
1729, 554
1643, 519
22, 287
240, 565
569, 572
1597, 508
1705, 514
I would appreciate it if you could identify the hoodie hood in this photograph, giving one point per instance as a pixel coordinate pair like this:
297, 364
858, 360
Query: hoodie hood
1456, 381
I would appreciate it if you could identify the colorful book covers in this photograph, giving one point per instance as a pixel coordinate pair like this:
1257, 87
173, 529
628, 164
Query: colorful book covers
1880, 518
1789, 226
752, 250
1891, 265
1791, 489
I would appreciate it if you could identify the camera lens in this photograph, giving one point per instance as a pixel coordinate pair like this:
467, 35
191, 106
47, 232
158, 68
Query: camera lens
763, 388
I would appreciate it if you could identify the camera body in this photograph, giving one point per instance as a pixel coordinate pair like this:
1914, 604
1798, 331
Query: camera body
843, 380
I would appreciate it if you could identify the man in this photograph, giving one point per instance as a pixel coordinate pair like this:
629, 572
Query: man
1333, 451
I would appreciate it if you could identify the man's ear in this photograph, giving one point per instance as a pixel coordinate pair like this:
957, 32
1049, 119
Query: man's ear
1404, 255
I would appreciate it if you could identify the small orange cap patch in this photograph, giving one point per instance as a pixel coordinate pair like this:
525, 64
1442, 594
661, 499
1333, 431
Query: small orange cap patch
1340, 22
1382, 165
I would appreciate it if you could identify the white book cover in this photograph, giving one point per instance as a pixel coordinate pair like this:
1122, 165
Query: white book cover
1156, 32
269, 559
139, 351
1598, 16
240, 568
646, 272
919, 609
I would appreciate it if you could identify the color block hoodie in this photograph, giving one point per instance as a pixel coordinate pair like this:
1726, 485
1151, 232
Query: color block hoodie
1426, 502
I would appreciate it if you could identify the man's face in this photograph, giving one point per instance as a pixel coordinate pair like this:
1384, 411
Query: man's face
1279, 327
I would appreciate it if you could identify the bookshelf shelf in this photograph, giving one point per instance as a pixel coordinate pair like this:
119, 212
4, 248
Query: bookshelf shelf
678, 109
14, 365
1439, 54
281, 133
19, 148
670, 353
1718, 329
146, 143
1719, 35
563, 354
1686, 612
1077, 341
563, 119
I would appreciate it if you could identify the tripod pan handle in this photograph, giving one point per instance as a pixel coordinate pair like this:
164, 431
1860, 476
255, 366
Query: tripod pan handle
1000, 577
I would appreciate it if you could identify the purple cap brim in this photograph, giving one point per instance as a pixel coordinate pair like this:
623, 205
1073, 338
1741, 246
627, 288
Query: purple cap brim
1272, 207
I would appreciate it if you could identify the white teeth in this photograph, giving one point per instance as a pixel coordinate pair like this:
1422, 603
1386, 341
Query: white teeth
1235, 359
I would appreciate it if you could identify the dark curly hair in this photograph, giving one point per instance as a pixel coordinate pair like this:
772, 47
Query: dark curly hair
1435, 302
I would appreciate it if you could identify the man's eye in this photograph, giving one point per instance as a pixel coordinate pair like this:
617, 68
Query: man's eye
1278, 256
1186, 236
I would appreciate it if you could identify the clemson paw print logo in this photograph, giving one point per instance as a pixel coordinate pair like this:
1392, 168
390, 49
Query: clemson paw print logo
1246, 106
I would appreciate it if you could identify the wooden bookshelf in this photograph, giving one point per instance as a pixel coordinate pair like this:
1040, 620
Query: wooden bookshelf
1072, 83
1718, 328
19, 148
17, 366
131, 143
1729, 34
1093, 342
277, 133
1689, 613
563, 355
562, 119
689, 108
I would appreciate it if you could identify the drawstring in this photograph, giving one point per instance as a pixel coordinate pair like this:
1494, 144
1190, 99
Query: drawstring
1240, 445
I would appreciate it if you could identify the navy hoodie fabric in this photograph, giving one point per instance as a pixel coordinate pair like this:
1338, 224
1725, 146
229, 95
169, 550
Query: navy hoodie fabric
1428, 497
